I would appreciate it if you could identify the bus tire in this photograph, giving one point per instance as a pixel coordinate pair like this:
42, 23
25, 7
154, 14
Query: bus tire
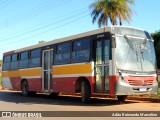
122, 98
85, 92
25, 88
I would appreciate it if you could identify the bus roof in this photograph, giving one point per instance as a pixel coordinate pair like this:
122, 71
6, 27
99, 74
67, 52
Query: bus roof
69, 38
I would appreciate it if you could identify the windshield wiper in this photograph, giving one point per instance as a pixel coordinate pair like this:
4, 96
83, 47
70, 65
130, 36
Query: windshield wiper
131, 45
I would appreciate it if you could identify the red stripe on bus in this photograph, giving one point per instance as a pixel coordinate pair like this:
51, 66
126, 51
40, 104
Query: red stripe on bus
112, 81
16, 81
35, 84
67, 85
8, 53
64, 85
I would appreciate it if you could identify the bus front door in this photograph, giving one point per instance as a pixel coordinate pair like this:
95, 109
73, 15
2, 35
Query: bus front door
47, 62
102, 66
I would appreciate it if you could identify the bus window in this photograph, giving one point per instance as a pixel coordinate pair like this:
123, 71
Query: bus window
7, 59
107, 51
81, 51
23, 60
99, 52
35, 58
63, 53
14, 62
6, 63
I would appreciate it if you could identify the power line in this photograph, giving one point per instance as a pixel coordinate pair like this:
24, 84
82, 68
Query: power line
46, 31
24, 15
44, 26
52, 20
42, 6
35, 12
6, 4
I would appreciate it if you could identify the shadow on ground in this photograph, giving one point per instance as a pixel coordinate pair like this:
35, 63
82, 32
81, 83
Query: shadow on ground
17, 97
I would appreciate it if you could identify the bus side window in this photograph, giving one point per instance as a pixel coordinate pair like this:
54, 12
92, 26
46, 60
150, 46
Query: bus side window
63, 53
23, 60
6, 63
35, 58
14, 62
81, 51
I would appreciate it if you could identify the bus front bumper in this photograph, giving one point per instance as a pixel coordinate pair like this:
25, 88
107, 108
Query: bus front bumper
122, 88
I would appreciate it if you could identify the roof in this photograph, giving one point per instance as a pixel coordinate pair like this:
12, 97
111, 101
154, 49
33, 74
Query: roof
69, 38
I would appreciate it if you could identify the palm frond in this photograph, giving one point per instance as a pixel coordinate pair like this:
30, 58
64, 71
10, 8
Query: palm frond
102, 10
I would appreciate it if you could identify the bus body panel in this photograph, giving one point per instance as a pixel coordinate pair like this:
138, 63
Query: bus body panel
15, 77
65, 77
131, 84
123, 88
67, 85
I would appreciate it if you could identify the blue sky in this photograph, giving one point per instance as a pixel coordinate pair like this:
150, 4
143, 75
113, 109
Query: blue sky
26, 22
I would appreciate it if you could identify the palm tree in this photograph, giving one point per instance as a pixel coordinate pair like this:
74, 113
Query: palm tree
102, 10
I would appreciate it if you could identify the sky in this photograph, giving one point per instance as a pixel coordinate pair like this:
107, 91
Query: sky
26, 22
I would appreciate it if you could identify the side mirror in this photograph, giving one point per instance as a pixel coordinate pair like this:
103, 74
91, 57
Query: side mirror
113, 42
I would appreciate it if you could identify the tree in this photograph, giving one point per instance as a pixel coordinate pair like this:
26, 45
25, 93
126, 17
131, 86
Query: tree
102, 10
156, 38
0, 63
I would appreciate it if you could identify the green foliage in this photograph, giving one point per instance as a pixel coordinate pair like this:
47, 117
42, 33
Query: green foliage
156, 38
114, 10
0, 63
156, 95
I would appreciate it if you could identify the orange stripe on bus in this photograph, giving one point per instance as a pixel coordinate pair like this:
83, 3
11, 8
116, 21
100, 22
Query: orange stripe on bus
31, 72
58, 70
19, 73
72, 69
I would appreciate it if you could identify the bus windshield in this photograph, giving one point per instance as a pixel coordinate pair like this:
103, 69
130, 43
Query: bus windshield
135, 54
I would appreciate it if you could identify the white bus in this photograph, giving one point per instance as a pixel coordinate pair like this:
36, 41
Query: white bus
116, 61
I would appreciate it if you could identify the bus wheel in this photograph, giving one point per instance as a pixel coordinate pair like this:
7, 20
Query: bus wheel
85, 92
121, 98
25, 88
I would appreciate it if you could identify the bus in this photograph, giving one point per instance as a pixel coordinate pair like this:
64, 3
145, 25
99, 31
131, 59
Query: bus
115, 60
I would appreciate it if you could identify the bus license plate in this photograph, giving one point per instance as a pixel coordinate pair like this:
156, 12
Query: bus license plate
142, 89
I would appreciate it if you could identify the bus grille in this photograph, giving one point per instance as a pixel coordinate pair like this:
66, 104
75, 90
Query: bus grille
140, 82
